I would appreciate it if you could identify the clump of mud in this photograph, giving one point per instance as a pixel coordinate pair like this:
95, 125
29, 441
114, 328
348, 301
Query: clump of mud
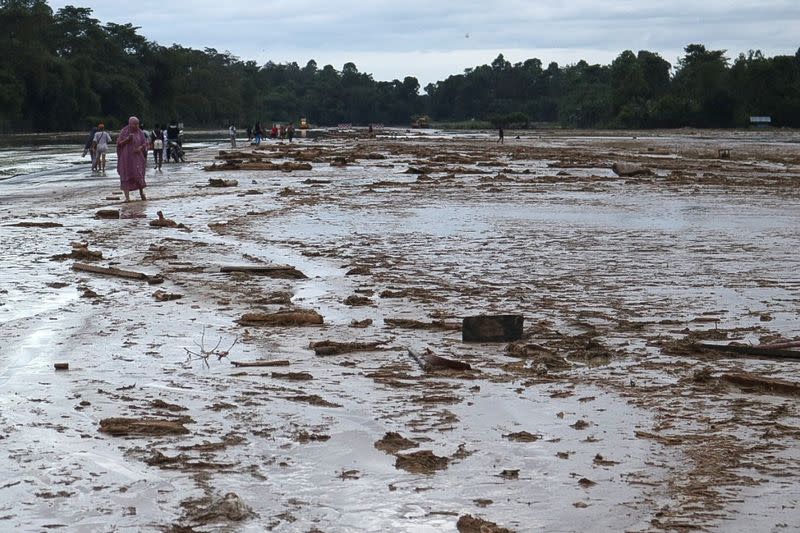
394, 442
285, 317
421, 462
472, 524
121, 427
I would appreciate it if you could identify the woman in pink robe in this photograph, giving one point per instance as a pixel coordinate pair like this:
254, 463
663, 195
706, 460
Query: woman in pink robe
132, 158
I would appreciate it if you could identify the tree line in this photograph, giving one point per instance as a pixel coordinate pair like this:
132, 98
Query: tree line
65, 70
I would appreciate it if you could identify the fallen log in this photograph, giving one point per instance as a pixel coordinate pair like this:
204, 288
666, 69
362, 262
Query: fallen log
219, 182
630, 169
753, 381
119, 427
118, 272
751, 351
338, 348
249, 364
779, 345
428, 360
416, 324
287, 317
272, 271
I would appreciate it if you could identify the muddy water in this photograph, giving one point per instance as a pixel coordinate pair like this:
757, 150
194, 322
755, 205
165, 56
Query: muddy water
624, 440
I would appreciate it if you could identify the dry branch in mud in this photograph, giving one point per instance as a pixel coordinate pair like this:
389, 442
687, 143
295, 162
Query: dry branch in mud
286, 317
204, 354
254, 364
406, 323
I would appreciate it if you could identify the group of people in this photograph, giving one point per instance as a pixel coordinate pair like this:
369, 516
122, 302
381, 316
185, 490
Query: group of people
256, 133
132, 145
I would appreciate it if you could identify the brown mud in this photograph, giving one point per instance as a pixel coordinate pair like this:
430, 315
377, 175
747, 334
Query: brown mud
607, 415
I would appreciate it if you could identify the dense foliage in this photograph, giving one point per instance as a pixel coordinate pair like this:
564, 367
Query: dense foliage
65, 70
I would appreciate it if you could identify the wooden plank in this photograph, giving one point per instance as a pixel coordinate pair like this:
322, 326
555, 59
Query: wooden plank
751, 351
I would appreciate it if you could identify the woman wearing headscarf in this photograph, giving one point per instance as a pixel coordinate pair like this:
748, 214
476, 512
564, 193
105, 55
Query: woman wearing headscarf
132, 158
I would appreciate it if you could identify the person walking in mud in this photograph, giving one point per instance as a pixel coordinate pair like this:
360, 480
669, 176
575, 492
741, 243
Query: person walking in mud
88, 147
232, 135
500, 135
132, 158
158, 146
290, 132
100, 144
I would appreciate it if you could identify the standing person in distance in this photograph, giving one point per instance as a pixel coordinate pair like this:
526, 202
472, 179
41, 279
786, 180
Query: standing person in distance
232, 134
132, 158
158, 146
88, 147
100, 145
500, 134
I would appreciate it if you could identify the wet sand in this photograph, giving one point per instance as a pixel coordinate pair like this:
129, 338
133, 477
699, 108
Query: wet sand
605, 416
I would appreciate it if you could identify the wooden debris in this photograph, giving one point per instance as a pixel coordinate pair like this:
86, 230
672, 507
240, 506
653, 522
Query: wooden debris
492, 328
249, 364
164, 296
219, 182
61, 366
751, 351
361, 323
746, 380
162, 222
286, 317
107, 214
421, 462
337, 348
271, 271
393, 442
416, 324
117, 272
428, 360
35, 225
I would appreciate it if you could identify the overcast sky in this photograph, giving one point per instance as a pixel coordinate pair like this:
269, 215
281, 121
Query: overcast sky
431, 39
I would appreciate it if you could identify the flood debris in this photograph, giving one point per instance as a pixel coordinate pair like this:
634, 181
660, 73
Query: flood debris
162, 222
249, 364
472, 524
26, 224
338, 348
539, 355
204, 353
361, 324
626, 170
492, 328
270, 271
61, 366
312, 399
393, 442
356, 300
406, 323
421, 462
143, 427
118, 272
164, 296
783, 352
107, 214
427, 360
219, 182
285, 317
748, 381
522, 436
229, 508
292, 376
81, 251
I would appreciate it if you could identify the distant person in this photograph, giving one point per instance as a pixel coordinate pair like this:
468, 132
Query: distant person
88, 147
282, 132
290, 132
173, 137
500, 135
249, 133
259, 133
100, 142
132, 158
232, 134
157, 138
369, 130
273, 133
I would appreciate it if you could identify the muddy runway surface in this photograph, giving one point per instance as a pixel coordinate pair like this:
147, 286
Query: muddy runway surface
200, 397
